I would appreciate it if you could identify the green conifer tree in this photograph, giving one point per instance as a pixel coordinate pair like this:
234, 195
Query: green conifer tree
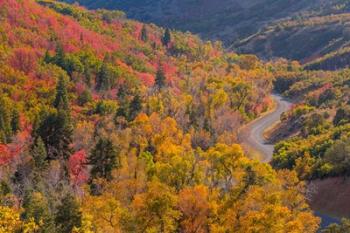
84, 98
160, 78
68, 215
5, 120
124, 103
144, 34
104, 158
39, 155
166, 37
36, 207
56, 132
105, 75
61, 100
59, 58
47, 57
103, 78
15, 121
135, 107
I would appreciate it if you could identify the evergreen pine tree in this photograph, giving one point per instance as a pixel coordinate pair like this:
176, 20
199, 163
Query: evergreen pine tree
4, 190
135, 107
122, 94
122, 111
88, 76
61, 100
56, 132
64, 133
3, 138
166, 37
39, 155
144, 34
342, 116
47, 57
68, 215
15, 121
160, 78
104, 158
84, 98
5, 120
123, 100
59, 57
36, 207
103, 78
56, 129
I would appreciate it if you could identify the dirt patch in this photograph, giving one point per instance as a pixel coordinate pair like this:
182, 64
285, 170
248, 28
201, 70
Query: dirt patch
271, 134
281, 131
331, 196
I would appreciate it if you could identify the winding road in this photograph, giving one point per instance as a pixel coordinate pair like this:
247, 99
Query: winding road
252, 135
252, 138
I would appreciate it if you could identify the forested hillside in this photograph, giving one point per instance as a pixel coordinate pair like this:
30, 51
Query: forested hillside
111, 125
315, 135
320, 42
308, 31
319, 123
227, 20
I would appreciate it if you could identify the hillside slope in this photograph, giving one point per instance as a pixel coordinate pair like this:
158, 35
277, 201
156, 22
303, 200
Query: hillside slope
307, 39
314, 135
299, 29
227, 20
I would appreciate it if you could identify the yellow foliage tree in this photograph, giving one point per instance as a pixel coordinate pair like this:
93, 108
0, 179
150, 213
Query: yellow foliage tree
10, 221
155, 210
102, 213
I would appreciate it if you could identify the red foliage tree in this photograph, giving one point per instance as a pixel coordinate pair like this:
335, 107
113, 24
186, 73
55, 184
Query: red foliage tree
147, 79
24, 59
77, 168
5, 154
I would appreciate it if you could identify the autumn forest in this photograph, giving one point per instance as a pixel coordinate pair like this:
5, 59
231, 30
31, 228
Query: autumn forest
113, 125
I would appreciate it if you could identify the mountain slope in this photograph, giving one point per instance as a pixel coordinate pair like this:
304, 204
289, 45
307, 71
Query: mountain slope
226, 20
303, 39
299, 29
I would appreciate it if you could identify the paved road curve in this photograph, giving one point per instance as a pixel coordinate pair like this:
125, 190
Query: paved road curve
252, 138
252, 135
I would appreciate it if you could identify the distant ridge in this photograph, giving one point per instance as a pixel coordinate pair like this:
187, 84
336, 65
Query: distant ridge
305, 30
